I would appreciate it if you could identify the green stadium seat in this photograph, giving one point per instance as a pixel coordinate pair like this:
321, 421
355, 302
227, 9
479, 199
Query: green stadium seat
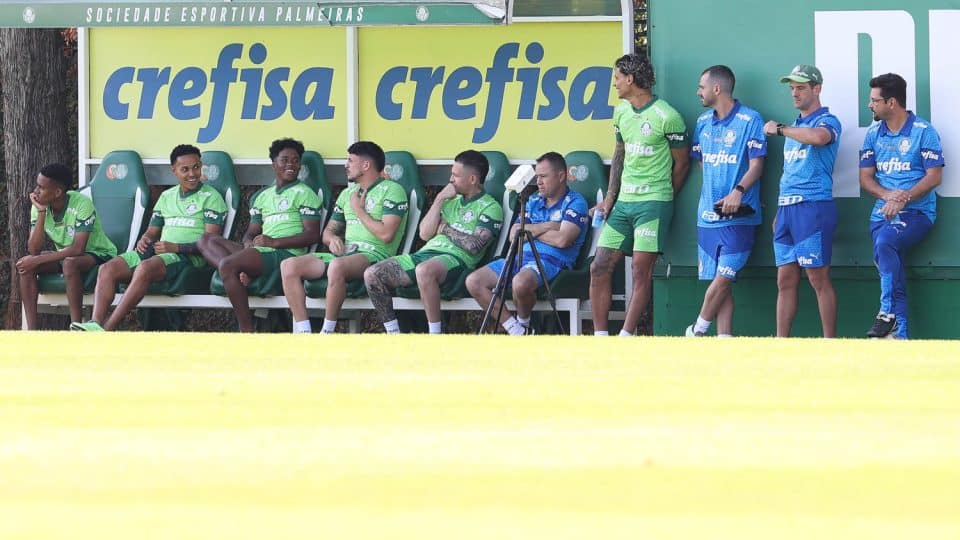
586, 175
400, 167
314, 175
120, 194
494, 185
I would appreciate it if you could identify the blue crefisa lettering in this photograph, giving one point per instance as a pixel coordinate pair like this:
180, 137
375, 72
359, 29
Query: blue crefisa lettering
542, 94
192, 94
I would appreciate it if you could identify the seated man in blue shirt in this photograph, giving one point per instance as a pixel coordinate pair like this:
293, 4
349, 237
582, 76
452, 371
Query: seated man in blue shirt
557, 219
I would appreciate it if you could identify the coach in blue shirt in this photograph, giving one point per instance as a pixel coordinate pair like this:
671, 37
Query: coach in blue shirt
729, 143
806, 212
901, 162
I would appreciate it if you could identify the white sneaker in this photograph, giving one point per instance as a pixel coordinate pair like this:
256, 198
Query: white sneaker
691, 333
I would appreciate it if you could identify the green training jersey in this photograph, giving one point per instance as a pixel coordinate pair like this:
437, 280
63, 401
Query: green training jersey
468, 216
281, 211
385, 197
184, 215
647, 135
78, 216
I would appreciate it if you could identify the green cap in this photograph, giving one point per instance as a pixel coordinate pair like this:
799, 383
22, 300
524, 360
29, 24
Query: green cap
804, 73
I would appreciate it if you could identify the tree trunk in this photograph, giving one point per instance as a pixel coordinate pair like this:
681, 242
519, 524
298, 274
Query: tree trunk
32, 77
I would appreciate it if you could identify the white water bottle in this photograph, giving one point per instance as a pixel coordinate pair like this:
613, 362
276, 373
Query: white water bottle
598, 218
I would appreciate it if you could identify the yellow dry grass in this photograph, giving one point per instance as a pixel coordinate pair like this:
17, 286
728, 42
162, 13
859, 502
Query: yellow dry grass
144, 436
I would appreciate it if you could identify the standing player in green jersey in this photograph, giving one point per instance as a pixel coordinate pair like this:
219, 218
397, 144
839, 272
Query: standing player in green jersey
284, 222
650, 164
69, 220
366, 227
181, 216
459, 227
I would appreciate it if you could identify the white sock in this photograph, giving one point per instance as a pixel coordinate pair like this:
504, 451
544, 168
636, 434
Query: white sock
434, 327
624, 333
329, 326
525, 322
724, 335
601, 333
302, 327
392, 326
701, 325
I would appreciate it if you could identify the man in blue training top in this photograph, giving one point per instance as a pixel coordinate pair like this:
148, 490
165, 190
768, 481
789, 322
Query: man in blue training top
806, 212
729, 143
901, 162
557, 219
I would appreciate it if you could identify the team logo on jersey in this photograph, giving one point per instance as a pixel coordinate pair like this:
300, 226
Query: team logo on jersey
370, 204
192, 208
283, 205
904, 146
729, 137
70, 231
646, 129
211, 172
467, 216
556, 215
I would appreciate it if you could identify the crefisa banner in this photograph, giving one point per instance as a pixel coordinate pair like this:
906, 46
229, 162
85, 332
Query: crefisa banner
523, 89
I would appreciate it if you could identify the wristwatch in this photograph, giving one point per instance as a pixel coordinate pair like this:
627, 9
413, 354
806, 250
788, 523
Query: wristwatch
780, 129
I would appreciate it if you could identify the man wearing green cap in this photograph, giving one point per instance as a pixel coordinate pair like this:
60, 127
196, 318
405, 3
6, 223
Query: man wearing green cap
806, 213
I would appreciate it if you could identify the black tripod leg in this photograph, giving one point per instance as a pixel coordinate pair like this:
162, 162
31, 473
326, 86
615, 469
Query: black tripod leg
546, 282
505, 273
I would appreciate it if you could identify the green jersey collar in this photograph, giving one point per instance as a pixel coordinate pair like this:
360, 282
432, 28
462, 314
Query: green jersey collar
645, 107
280, 189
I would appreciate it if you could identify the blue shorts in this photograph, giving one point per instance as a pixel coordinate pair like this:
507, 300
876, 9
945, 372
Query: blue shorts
723, 250
804, 233
528, 262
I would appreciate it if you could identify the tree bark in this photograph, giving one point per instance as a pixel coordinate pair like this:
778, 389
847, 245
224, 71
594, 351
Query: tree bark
32, 77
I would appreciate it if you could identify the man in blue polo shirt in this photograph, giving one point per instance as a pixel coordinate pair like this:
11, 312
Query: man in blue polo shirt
806, 212
557, 219
729, 143
901, 162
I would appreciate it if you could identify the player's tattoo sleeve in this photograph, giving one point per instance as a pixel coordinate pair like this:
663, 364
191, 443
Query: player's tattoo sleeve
616, 170
471, 243
387, 275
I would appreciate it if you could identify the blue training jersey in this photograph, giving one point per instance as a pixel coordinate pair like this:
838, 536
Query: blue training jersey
807, 168
725, 147
902, 159
571, 207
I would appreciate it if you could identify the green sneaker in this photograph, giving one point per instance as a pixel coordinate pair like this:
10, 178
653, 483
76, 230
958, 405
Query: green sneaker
89, 326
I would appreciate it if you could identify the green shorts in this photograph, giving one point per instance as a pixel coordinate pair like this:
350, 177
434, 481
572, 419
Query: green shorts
637, 226
273, 257
455, 267
329, 257
174, 262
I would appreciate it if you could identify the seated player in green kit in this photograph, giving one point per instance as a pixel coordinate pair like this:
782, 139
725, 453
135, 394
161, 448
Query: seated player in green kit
459, 227
181, 216
366, 227
284, 223
69, 220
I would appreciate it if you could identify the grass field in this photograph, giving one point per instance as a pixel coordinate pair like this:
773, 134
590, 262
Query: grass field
142, 436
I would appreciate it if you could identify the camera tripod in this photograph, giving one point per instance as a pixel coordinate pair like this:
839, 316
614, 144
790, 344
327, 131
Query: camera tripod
513, 260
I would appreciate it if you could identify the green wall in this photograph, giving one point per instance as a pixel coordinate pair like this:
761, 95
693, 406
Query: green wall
761, 41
